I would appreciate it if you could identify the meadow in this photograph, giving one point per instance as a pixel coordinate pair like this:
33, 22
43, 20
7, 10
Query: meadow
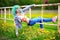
7, 30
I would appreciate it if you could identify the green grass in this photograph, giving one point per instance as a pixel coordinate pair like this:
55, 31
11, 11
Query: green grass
7, 30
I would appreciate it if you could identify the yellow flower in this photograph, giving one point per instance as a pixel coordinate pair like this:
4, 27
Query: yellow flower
22, 32
29, 38
53, 31
2, 24
27, 28
46, 39
45, 31
41, 30
52, 37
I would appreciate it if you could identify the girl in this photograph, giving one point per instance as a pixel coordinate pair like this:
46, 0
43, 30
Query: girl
18, 17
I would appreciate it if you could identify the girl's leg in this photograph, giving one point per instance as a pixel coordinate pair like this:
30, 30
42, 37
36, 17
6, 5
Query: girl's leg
20, 25
39, 19
31, 23
50, 19
41, 25
47, 19
18, 22
16, 30
36, 20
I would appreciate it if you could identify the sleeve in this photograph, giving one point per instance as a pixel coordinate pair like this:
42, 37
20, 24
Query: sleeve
26, 8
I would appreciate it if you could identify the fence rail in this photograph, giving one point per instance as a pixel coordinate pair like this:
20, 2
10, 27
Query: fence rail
40, 5
35, 5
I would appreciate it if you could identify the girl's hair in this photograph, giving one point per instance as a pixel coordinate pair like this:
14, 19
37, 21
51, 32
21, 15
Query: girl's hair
14, 9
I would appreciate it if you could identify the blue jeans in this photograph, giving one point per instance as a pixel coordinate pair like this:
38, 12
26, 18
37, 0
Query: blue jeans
39, 20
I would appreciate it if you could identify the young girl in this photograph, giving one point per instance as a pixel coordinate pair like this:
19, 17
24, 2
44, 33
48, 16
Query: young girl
18, 17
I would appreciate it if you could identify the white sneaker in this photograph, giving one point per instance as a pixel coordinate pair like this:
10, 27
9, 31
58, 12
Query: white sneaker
16, 34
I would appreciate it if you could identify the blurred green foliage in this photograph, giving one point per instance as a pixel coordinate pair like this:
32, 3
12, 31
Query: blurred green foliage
24, 2
7, 30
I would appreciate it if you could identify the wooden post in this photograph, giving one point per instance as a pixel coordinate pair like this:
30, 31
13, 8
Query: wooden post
59, 19
42, 11
4, 15
30, 12
9, 13
1, 13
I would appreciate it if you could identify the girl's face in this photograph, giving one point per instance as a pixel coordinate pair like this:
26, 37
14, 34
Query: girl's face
18, 11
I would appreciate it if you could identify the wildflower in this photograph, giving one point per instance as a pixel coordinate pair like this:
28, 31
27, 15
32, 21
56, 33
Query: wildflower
53, 31
27, 28
22, 32
52, 37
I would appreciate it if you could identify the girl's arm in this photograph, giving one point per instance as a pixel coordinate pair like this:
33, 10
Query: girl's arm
26, 8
